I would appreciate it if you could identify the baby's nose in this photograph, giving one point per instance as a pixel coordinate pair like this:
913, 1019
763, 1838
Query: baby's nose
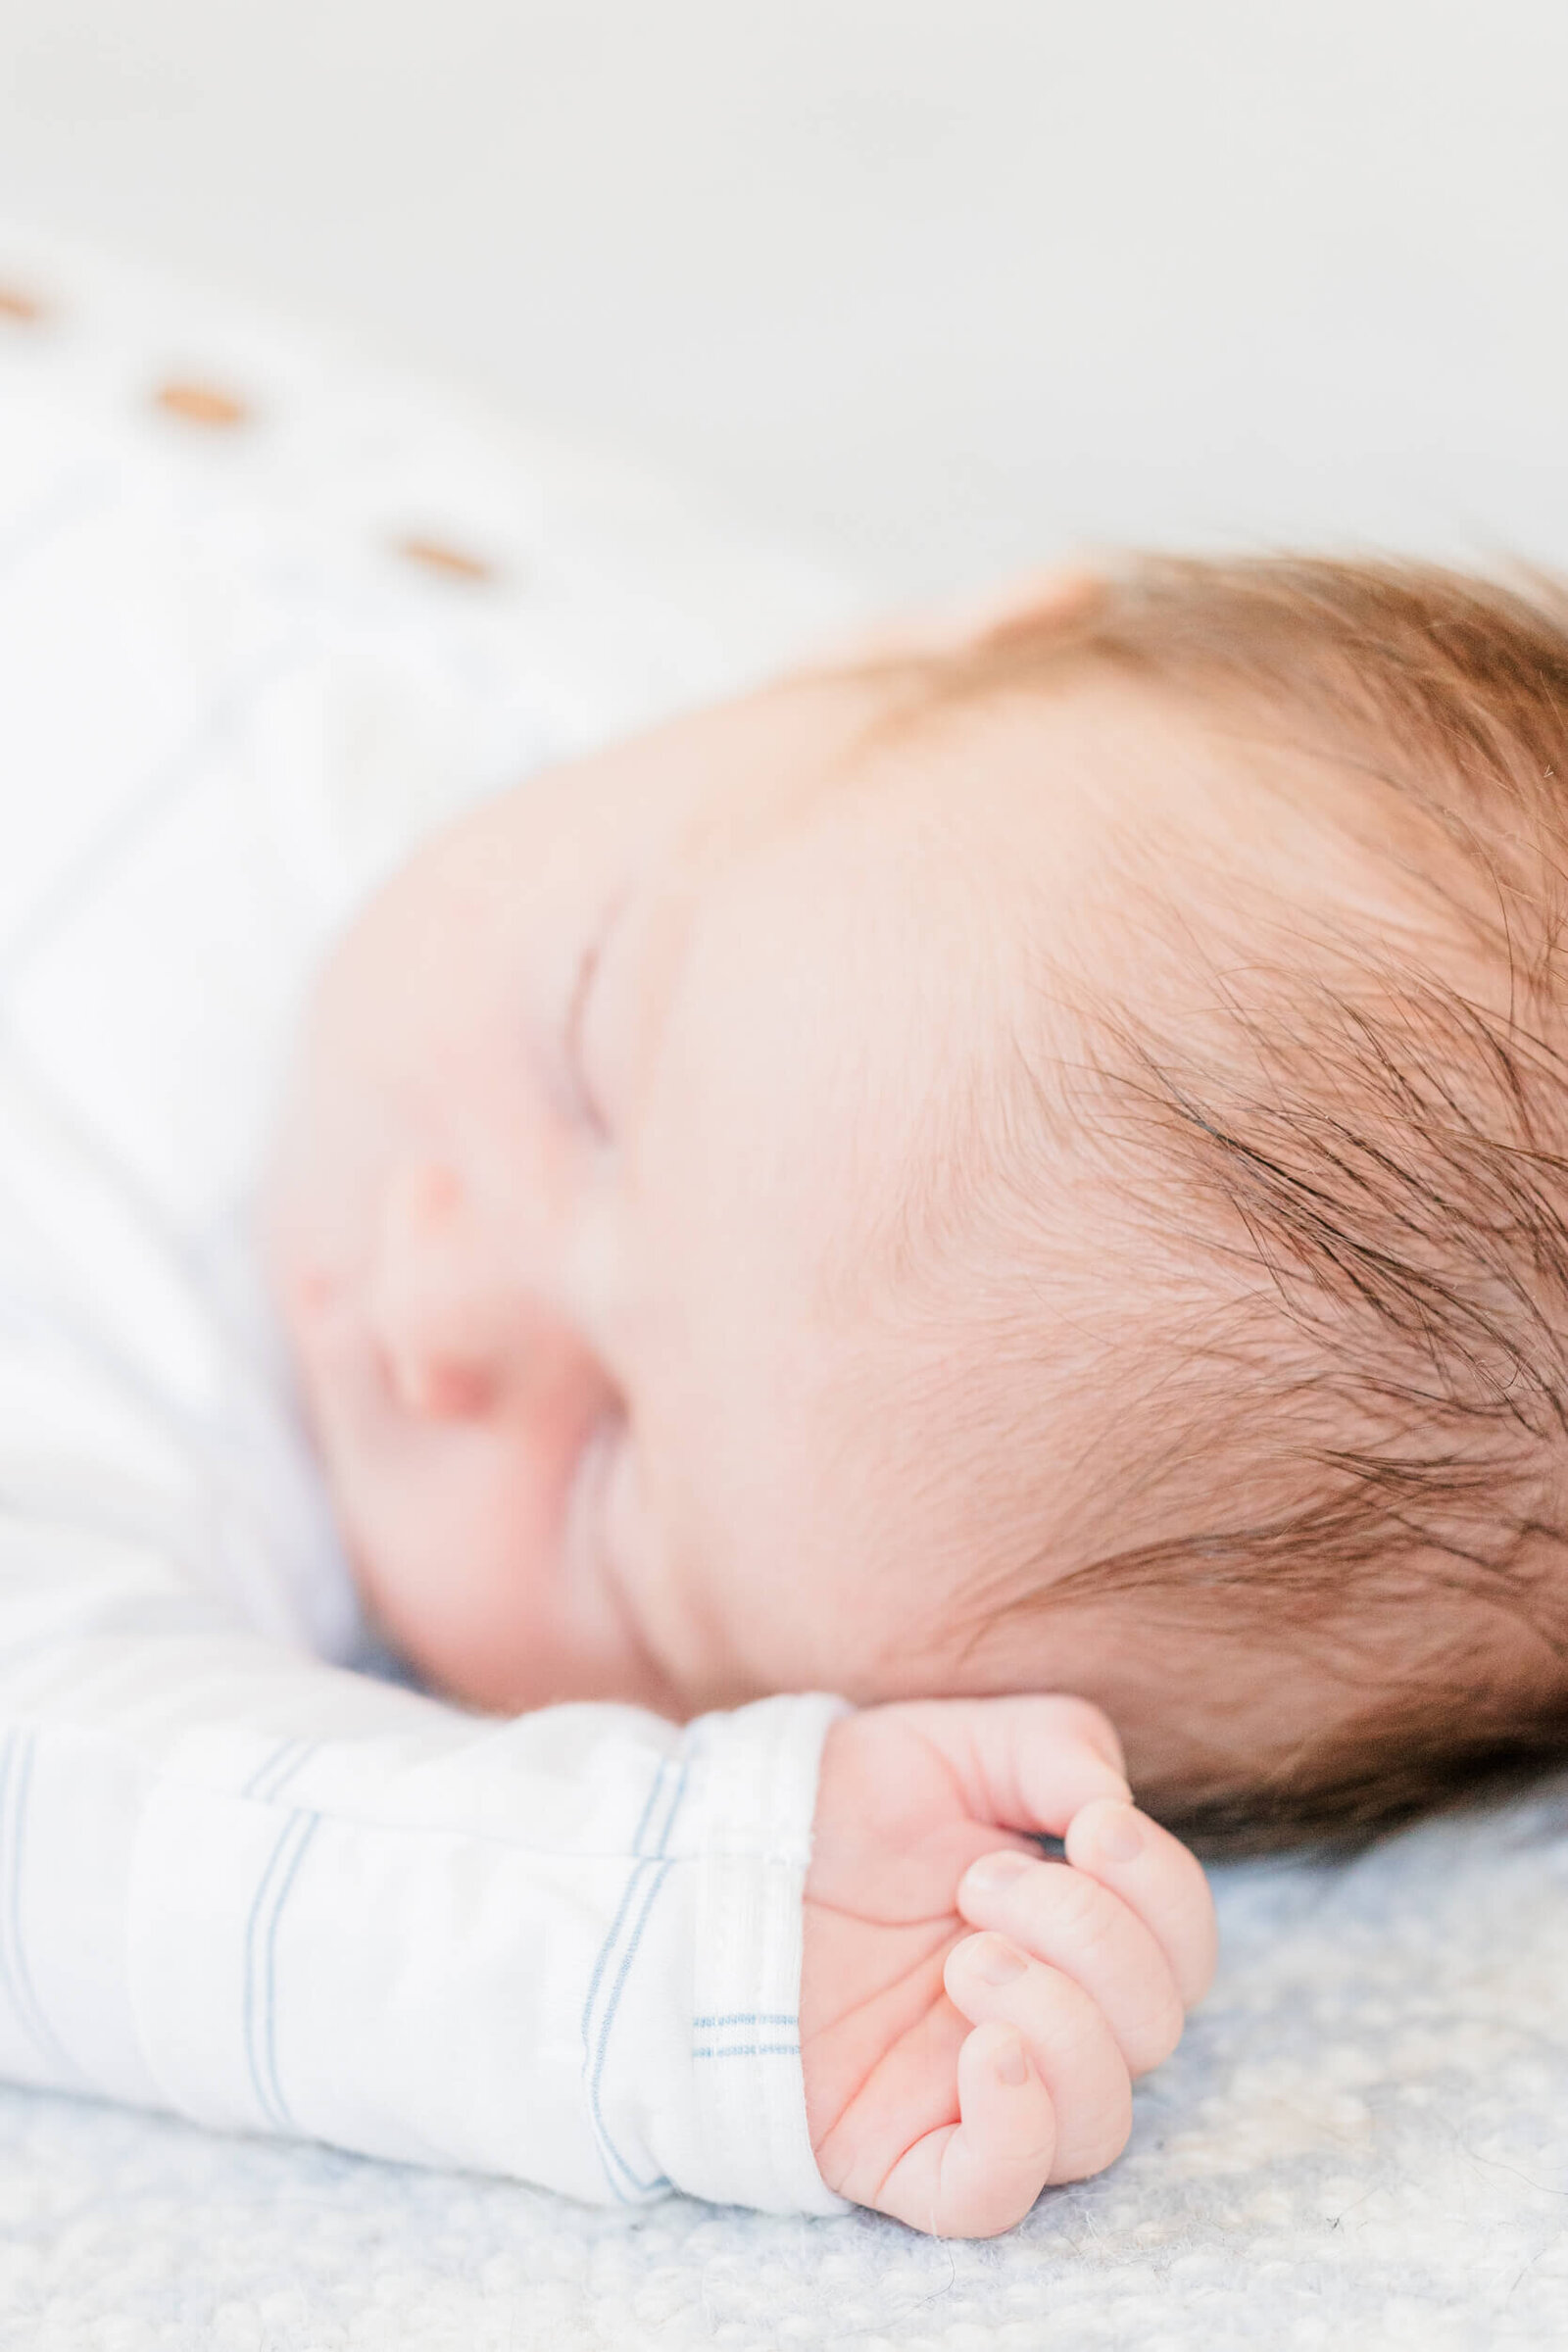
451, 1319
440, 1388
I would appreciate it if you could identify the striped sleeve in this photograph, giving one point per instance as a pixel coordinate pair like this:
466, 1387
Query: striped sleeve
275, 1896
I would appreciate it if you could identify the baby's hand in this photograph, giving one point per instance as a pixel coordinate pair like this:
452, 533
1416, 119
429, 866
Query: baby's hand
950, 2075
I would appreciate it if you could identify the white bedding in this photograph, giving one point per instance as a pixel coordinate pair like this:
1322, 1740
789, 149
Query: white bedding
1364, 2140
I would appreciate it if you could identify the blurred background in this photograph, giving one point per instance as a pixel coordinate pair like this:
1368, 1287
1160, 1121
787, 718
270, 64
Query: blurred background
935, 287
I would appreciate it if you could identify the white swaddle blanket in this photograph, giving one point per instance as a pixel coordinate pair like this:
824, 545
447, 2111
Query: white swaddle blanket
1364, 2140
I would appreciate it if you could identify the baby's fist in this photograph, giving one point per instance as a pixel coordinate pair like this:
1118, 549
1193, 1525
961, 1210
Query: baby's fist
952, 2074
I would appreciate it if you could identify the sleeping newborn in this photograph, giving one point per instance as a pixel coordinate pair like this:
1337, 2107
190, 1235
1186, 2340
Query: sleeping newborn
635, 1227
1023, 1162
826, 1292
650, 1923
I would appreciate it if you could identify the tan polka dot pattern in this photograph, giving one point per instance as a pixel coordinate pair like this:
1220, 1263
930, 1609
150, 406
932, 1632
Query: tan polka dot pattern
209, 406
441, 556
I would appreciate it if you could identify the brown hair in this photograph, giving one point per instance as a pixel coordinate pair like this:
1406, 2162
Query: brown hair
1376, 1153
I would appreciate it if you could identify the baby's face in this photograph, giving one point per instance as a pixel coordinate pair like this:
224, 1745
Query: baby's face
597, 1219
630, 1227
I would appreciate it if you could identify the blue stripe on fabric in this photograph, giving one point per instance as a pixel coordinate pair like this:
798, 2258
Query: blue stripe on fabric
256, 1785
637, 2183
249, 1982
747, 2017
654, 1786
16, 1779
624, 1936
605, 1950
259, 1987
675, 1786
275, 1771
312, 1822
753, 2049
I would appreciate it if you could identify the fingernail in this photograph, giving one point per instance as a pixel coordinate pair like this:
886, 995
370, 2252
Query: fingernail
1012, 2067
1119, 1836
997, 1870
998, 1962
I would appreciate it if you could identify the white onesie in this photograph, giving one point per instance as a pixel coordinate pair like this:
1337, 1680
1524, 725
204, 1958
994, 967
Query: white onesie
257, 633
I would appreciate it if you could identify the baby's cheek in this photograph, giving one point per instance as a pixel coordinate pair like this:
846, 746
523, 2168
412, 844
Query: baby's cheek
449, 1555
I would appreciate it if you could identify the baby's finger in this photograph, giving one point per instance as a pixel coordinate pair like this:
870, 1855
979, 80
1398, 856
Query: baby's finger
1025, 1763
1157, 1876
989, 1981
1069, 1920
980, 2176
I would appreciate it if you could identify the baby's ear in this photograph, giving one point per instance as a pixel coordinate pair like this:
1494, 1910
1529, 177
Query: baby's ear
1024, 602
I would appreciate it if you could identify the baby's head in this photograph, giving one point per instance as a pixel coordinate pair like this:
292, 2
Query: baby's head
1038, 1159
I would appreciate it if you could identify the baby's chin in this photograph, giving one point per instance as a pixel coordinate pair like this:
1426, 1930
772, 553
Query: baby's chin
559, 1675
518, 1639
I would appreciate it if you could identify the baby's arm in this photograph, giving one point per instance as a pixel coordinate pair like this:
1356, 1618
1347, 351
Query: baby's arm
275, 1896
949, 2075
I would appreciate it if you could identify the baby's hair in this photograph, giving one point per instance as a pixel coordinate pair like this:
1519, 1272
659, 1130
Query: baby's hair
1364, 1160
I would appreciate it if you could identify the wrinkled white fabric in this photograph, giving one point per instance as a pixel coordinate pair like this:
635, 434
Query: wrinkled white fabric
242, 1877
